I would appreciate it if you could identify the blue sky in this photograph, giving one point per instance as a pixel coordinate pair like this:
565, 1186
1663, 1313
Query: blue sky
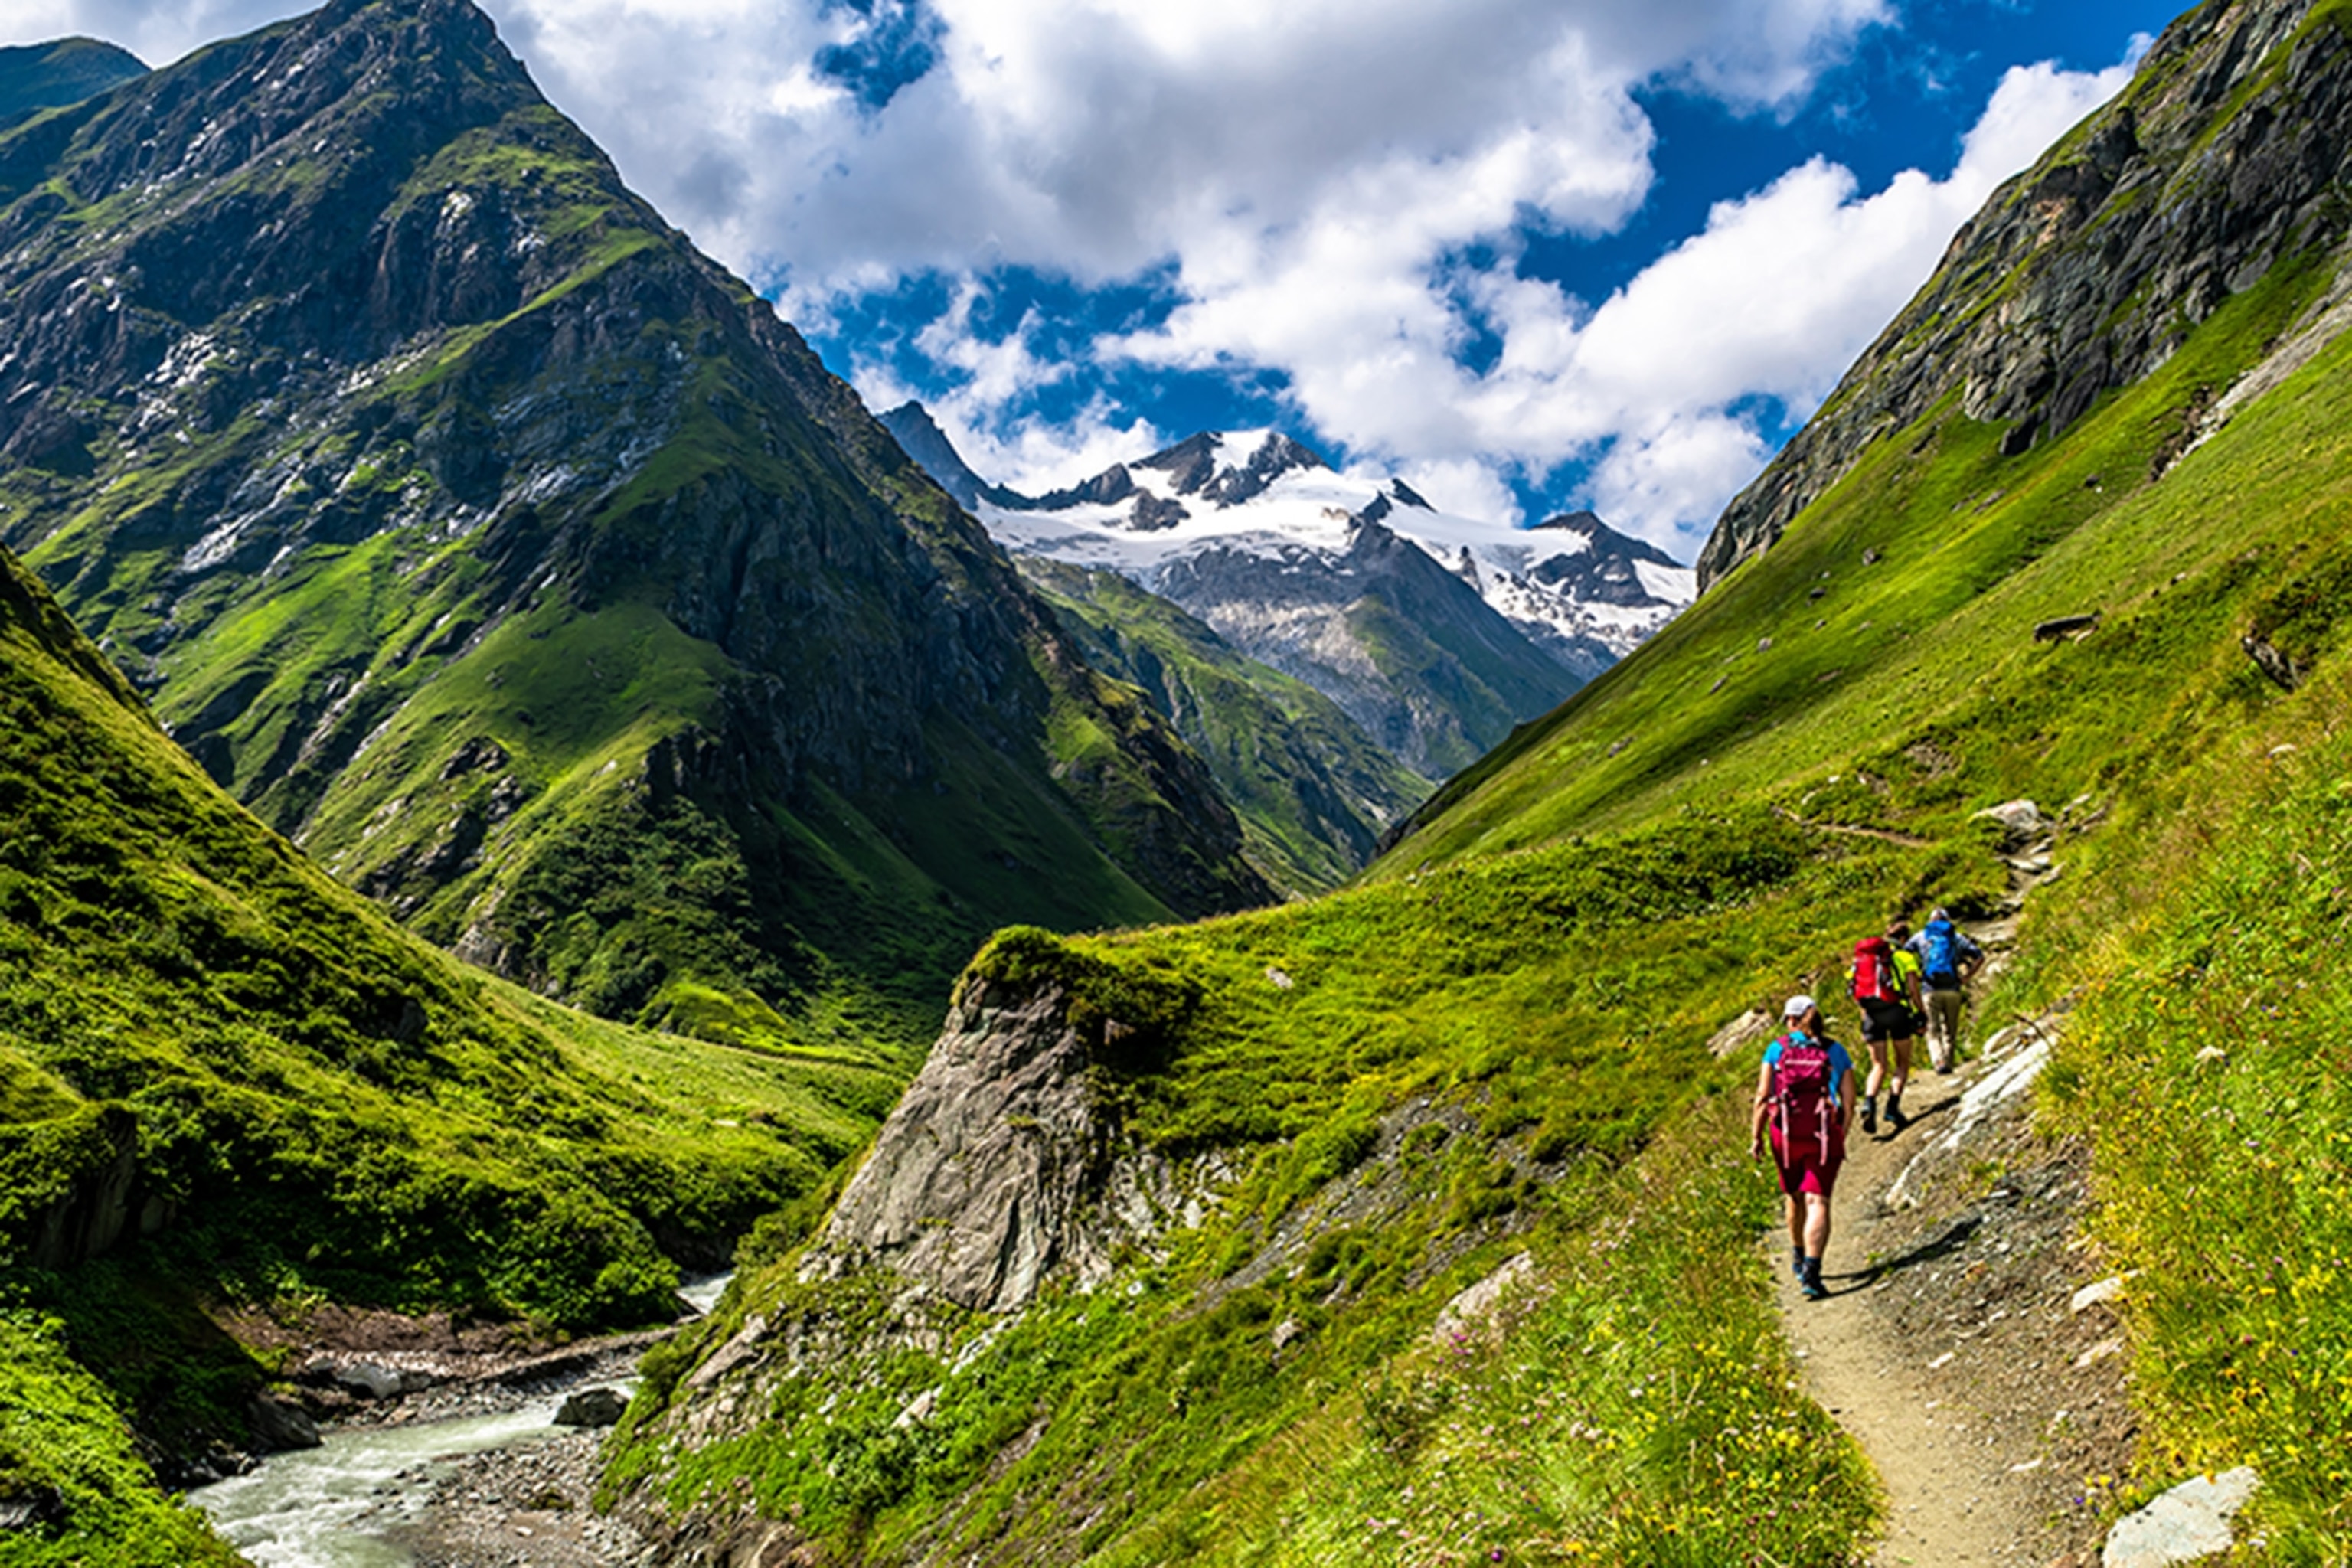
1529, 254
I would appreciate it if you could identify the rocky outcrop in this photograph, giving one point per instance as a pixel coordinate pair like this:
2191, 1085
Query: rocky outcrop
1003, 1165
2224, 156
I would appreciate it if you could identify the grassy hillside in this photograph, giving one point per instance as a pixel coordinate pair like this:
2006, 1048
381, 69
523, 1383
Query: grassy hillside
293, 1098
1313, 793
1496, 1043
544, 585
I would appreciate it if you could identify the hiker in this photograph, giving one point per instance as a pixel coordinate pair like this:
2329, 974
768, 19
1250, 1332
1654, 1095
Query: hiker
1804, 1095
1947, 958
1885, 980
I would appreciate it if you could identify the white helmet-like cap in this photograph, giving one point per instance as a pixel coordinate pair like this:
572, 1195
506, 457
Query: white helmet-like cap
1798, 1008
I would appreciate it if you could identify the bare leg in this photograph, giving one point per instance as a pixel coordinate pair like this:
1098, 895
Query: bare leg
1797, 1223
1878, 1067
1901, 1078
1817, 1225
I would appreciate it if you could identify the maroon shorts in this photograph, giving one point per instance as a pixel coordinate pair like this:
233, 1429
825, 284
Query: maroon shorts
1808, 1167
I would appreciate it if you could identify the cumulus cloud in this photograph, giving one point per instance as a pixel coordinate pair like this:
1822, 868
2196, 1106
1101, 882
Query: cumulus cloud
1659, 387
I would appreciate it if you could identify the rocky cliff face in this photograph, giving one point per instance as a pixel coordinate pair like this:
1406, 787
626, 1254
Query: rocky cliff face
481, 533
2224, 157
1001, 1166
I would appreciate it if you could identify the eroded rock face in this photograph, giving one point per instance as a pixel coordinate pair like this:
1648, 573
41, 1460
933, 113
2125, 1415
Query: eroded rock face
2086, 272
1001, 1166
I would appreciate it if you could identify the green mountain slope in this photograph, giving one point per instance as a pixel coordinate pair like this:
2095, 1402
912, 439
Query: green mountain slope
524, 567
255, 1086
1312, 790
1326, 1121
34, 76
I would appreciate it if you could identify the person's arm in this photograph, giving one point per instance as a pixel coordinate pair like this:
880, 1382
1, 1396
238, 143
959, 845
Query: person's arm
1760, 1112
1972, 957
1845, 1090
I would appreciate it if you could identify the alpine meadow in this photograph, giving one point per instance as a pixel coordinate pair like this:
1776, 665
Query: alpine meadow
1162, 1034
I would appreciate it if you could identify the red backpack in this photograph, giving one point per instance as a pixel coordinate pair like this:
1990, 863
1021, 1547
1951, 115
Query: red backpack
1806, 1106
1875, 979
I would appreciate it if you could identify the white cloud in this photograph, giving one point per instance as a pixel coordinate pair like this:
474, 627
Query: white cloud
1773, 299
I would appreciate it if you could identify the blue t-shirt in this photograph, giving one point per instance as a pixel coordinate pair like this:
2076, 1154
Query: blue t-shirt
1841, 1064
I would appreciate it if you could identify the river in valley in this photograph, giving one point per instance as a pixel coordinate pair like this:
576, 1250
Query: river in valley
358, 1499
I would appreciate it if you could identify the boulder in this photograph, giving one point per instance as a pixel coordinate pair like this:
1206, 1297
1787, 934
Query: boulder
367, 1378
2021, 821
1476, 1304
278, 1426
2187, 1524
592, 1408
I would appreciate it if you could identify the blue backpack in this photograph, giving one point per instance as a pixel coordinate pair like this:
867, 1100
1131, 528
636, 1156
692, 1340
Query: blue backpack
1939, 955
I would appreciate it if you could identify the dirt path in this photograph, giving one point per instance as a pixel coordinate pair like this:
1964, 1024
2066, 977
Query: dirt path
1947, 1346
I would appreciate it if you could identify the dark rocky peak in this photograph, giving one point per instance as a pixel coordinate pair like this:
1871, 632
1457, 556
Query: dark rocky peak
1606, 540
1407, 495
34, 76
1195, 468
2225, 155
922, 439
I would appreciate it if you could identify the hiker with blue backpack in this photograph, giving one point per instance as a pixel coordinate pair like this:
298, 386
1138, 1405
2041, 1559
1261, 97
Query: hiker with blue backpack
1883, 980
1947, 958
1805, 1097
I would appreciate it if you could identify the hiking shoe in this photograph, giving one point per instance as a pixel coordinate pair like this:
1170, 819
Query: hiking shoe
1811, 1287
1869, 1115
1895, 1121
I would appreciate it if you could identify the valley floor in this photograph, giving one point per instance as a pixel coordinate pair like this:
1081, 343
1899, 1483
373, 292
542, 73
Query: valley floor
1995, 1415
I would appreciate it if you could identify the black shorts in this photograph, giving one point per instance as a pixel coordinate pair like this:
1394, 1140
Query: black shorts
1888, 1021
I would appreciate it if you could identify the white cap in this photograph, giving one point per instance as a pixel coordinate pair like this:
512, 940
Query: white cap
1798, 1008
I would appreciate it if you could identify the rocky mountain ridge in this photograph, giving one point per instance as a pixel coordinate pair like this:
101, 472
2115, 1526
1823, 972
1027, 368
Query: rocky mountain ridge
1255, 535
2225, 153
521, 564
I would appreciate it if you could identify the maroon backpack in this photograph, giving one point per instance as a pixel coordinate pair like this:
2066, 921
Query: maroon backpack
1804, 1098
1875, 979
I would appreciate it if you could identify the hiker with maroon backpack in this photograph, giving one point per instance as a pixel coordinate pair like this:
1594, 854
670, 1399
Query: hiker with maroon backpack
1805, 1097
1885, 981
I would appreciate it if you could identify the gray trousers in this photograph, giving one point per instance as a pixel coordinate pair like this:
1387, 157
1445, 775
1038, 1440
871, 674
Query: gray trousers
1944, 1027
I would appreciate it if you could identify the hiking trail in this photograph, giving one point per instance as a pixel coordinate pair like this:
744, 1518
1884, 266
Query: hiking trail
1910, 1355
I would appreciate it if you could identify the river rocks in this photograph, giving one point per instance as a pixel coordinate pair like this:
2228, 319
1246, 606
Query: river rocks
277, 1426
2187, 1524
592, 1408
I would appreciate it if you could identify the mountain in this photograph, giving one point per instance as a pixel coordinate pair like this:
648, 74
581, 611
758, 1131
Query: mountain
919, 436
1255, 534
35, 77
521, 565
1313, 793
1417, 1222
226, 1079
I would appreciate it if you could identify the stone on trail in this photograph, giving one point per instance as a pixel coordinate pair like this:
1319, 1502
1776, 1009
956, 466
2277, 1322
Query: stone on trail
592, 1408
2021, 821
2096, 1292
2187, 1523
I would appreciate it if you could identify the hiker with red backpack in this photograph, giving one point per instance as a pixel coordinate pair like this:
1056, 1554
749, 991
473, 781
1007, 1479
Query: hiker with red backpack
1885, 980
1947, 958
1805, 1097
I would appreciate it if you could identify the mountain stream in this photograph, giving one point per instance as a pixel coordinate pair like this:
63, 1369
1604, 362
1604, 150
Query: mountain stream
348, 1502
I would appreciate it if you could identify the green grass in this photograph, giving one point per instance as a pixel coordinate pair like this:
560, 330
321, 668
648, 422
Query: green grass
1312, 790
1482, 1052
315, 1104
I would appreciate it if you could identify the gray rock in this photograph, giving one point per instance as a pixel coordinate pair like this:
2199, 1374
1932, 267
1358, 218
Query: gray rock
2187, 1524
998, 1168
374, 1382
2021, 821
592, 1408
278, 1426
